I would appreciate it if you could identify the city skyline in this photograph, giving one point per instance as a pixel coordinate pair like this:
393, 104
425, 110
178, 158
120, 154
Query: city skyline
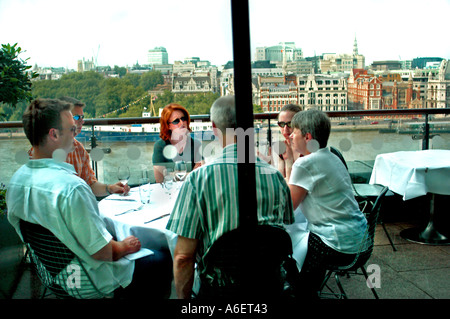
58, 34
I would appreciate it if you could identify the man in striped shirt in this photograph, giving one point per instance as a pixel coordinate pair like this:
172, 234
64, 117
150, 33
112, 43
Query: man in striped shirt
207, 205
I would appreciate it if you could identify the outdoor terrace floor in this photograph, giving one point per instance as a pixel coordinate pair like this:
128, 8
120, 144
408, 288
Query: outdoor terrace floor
414, 271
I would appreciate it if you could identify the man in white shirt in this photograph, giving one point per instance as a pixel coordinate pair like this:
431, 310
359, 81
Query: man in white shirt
47, 191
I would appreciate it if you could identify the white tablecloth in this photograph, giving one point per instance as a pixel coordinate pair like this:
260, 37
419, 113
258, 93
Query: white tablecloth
299, 233
413, 173
152, 235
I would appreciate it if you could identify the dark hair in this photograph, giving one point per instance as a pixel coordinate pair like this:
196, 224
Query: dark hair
315, 122
294, 108
41, 116
72, 100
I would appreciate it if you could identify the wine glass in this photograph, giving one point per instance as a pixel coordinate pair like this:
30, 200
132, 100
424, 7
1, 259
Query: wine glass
123, 174
168, 184
180, 170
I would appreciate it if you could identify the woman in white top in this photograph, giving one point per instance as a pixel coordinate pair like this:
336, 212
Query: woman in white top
321, 186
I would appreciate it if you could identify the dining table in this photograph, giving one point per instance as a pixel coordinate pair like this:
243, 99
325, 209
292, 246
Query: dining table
412, 174
126, 215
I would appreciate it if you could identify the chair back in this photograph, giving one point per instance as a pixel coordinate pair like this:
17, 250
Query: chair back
366, 245
249, 262
58, 268
336, 152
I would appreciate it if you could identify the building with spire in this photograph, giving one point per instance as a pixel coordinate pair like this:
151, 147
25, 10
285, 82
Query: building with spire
332, 62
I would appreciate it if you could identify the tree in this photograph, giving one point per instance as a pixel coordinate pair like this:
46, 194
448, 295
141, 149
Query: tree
149, 80
120, 70
15, 79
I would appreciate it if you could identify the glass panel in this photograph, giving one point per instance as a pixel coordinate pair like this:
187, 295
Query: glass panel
109, 60
303, 53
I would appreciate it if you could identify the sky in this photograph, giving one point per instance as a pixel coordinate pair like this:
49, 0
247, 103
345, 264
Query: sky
58, 33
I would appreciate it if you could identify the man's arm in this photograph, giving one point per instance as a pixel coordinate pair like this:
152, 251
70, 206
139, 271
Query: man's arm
183, 266
115, 250
100, 189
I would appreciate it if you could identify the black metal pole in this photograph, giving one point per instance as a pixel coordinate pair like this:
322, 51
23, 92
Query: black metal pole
426, 134
244, 111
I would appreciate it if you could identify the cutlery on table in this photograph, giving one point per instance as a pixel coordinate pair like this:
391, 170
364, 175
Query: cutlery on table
152, 220
130, 210
122, 199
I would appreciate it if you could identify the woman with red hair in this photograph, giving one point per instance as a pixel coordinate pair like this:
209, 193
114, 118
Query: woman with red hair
176, 143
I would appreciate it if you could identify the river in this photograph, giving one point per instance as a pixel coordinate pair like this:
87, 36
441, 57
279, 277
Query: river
354, 145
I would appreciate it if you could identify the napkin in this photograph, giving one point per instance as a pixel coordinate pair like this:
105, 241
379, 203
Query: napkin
139, 254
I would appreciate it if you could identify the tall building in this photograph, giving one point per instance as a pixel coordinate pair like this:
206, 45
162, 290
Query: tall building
285, 51
158, 56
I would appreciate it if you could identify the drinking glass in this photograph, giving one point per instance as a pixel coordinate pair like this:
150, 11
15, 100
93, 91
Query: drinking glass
144, 190
123, 174
180, 170
168, 185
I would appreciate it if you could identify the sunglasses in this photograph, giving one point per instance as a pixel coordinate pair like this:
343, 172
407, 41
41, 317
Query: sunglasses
176, 121
283, 124
78, 117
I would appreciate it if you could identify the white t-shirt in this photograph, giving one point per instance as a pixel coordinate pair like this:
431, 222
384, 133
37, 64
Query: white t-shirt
330, 206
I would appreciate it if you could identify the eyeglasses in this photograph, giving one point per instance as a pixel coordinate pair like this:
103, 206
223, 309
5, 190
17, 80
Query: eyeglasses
283, 124
176, 121
77, 117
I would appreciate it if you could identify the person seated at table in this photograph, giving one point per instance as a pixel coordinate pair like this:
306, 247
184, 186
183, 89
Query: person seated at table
175, 131
206, 206
320, 185
285, 160
298, 230
79, 157
48, 192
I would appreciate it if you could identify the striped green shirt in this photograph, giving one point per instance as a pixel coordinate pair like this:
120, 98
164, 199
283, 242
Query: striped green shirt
207, 205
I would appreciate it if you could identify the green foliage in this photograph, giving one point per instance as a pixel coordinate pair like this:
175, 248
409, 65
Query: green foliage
120, 70
126, 96
2, 198
149, 80
257, 109
195, 103
15, 79
103, 96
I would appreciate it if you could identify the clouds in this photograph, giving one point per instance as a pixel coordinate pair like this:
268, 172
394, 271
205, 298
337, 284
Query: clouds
58, 33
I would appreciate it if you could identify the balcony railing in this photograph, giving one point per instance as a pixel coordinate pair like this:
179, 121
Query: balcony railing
347, 125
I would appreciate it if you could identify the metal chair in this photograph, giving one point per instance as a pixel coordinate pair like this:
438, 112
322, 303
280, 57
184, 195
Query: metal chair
363, 255
59, 269
253, 262
365, 194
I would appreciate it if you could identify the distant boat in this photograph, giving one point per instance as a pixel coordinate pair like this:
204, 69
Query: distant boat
141, 132
418, 127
